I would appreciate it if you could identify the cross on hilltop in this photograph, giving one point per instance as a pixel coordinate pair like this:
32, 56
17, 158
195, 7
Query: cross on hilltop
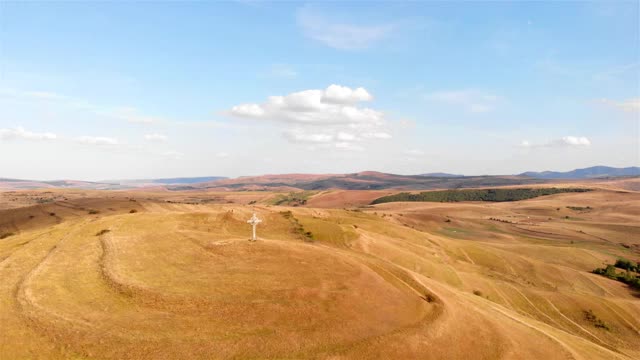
254, 221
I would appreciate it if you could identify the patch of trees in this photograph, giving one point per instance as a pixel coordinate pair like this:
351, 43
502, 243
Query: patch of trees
626, 276
497, 195
580, 208
627, 265
293, 199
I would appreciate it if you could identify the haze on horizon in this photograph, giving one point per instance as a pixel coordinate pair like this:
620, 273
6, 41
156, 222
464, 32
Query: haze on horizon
96, 91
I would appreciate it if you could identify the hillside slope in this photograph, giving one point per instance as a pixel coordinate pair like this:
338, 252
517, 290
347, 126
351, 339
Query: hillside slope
396, 281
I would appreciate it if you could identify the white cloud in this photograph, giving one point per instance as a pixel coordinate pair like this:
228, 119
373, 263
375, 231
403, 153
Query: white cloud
334, 105
414, 152
629, 105
156, 137
97, 140
175, 155
300, 136
341, 36
222, 154
248, 110
376, 135
471, 100
565, 141
348, 146
21, 133
345, 95
574, 141
325, 117
343, 136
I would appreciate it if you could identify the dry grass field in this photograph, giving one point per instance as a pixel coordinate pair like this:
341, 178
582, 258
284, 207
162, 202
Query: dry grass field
171, 275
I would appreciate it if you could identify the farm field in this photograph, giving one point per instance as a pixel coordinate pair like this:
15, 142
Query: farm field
167, 275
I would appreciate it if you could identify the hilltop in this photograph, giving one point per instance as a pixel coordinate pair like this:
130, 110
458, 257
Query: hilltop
147, 274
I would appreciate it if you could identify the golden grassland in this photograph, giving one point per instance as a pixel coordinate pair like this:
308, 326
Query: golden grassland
141, 275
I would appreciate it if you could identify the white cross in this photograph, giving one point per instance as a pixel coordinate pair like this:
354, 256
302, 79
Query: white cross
254, 221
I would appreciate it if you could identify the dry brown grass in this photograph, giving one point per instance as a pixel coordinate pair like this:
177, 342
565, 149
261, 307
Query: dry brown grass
176, 280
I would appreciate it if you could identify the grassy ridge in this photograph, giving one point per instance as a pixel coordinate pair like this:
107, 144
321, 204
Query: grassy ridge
475, 195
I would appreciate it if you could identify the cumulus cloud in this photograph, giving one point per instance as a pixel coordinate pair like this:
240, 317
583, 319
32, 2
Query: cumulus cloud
574, 141
97, 140
342, 36
471, 100
331, 116
345, 95
334, 105
21, 133
156, 137
343, 136
300, 136
376, 135
348, 146
175, 155
565, 141
414, 152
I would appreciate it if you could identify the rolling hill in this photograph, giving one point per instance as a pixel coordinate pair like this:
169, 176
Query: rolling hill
366, 180
586, 173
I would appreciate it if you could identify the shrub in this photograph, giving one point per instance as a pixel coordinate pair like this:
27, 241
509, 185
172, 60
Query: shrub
93, 212
52, 214
477, 292
579, 208
626, 265
610, 271
102, 232
133, 211
625, 277
592, 318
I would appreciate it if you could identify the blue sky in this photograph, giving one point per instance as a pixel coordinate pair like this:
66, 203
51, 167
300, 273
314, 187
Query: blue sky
142, 89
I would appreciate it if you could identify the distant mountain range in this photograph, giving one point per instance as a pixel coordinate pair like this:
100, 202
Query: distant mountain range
188, 180
19, 184
367, 180
586, 173
441, 174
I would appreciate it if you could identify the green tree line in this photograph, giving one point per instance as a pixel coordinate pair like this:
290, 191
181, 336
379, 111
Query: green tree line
475, 195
